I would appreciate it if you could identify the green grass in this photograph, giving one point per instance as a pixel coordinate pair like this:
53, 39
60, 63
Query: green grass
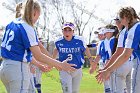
51, 83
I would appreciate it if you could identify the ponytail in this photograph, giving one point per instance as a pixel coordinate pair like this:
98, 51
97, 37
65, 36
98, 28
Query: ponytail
27, 16
18, 10
30, 7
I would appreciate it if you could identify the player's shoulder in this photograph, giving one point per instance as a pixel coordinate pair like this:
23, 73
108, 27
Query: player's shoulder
138, 26
59, 39
122, 34
112, 38
123, 31
102, 42
79, 38
13, 24
21, 22
27, 27
135, 27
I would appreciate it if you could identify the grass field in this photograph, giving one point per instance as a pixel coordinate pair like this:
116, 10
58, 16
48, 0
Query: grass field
51, 83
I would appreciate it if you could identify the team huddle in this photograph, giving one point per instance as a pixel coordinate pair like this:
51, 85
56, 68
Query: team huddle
25, 57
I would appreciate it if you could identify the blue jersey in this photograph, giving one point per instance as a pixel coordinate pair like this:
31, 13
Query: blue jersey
121, 41
109, 46
101, 50
73, 50
122, 37
133, 39
18, 38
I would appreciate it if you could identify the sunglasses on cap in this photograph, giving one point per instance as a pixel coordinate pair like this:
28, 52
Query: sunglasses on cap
70, 25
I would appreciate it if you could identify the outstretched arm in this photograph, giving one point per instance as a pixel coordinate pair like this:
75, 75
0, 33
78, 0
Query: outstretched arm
105, 74
43, 67
48, 60
117, 53
93, 64
55, 52
121, 59
43, 50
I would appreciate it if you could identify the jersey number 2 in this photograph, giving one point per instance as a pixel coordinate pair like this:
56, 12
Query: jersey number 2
6, 41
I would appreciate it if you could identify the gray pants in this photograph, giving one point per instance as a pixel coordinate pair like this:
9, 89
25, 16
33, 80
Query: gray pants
135, 88
123, 78
15, 76
107, 87
71, 81
112, 82
38, 75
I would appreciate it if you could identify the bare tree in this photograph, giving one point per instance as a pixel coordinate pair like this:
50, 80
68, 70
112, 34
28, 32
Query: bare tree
47, 13
90, 34
78, 18
57, 4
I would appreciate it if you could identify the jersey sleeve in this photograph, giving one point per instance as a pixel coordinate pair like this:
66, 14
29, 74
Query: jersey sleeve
57, 42
29, 36
121, 39
133, 38
98, 48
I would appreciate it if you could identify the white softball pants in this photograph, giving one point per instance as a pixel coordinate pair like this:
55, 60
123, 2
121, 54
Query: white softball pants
15, 76
70, 82
123, 77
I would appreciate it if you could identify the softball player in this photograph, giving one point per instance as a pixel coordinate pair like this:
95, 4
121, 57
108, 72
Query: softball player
72, 48
101, 57
109, 48
129, 20
38, 72
100, 49
123, 73
19, 41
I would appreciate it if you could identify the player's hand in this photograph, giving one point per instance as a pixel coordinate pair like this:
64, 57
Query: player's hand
93, 66
32, 69
91, 70
45, 68
58, 67
103, 75
66, 66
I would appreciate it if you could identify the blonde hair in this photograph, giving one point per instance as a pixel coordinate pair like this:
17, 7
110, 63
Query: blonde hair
30, 7
18, 10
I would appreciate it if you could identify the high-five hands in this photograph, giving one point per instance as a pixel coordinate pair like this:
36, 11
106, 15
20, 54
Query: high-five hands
103, 75
93, 66
66, 66
45, 68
